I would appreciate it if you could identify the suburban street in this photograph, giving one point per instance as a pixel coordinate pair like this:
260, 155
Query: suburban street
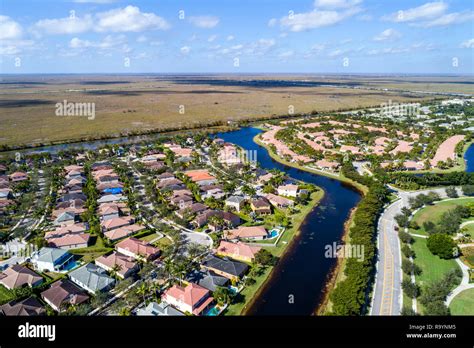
387, 295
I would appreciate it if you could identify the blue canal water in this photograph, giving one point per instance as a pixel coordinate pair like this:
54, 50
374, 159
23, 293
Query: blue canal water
469, 157
297, 284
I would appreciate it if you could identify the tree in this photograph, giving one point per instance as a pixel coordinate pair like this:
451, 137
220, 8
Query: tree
402, 220
408, 311
222, 295
468, 190
442, 245
405, 237
451, 192
407, 251
411, 289
264, 257
407, 266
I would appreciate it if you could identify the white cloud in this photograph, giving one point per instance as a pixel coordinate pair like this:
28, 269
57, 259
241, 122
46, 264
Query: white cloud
185, 50
272, 22
333, 4
285, 55
230, 38
448, 19
212, 38
129, 18
315, 19
14, 47
109, 42
468, 44
387, 35
67, 25
237, 47
9, 29
427, 11
206, 22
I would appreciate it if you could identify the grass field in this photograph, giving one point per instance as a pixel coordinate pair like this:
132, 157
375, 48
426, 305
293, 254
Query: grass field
433, 268
125, 104
463, 303
434, 212
5, 295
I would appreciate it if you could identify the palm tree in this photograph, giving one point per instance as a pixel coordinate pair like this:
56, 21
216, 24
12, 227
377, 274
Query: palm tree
142, 290
114, 271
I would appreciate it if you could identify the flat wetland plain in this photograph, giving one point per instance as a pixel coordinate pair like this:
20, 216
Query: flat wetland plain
139, 103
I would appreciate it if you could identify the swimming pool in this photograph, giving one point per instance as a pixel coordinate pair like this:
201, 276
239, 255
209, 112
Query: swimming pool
71, 265
214, 311
274, 233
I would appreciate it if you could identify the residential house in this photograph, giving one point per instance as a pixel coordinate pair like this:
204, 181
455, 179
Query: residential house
27, 307
92, 278
233, 270
237, 251
207, 279
288, 190
191, 298
18, 276
18, 176
122, 232
63, 293
235, 202
278, 201
247, 232
137, 249
201, 177
116, 222
52, 259
159, 309
123, 265
261, 206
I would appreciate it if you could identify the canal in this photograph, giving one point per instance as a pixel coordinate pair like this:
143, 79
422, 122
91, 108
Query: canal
469, 158
297, 283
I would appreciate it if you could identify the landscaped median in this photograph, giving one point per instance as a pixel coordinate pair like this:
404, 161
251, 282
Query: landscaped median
251, 292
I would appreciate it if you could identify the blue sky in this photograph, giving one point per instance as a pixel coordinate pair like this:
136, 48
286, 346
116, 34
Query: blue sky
237, 36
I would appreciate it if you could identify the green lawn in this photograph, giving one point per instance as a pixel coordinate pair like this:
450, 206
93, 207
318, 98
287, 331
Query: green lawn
433, 268
5, 295
162, 242
149, 238
434, 212
463, 303
470, 229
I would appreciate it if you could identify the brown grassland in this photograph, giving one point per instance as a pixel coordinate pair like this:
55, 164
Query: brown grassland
139, 103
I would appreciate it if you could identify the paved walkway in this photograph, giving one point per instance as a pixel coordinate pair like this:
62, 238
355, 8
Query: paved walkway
464, 282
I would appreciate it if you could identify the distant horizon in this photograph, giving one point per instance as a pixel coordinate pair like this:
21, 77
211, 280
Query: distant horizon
245, 73
237, 36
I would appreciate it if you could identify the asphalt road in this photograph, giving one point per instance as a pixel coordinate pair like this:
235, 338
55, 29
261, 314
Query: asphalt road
387, 296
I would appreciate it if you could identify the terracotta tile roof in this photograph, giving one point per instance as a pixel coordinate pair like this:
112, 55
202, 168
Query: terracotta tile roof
237, 249
247, 232
17, 276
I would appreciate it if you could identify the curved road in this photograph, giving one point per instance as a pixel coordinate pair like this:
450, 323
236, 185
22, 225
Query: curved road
387, 295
